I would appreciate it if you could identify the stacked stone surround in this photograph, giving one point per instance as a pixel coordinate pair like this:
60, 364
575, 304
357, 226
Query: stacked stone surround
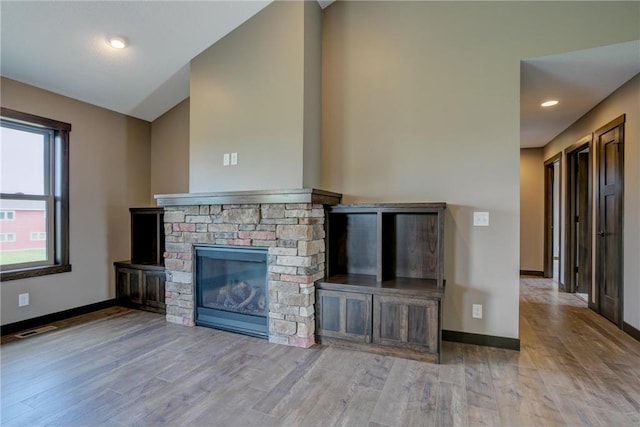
294, 235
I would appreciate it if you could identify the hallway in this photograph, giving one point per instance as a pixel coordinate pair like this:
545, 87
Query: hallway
588, 369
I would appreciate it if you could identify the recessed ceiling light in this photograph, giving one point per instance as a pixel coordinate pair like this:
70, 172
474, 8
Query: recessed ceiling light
549, 103
117, 42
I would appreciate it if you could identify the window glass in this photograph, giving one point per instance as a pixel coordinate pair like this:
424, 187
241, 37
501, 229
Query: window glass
28, 231
22, 163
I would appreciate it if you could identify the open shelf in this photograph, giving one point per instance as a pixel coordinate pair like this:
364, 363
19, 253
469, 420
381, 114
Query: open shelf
387, 241
353, 240
147, 236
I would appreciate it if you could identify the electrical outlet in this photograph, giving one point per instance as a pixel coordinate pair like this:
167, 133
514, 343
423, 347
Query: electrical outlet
234, 159
477, 311
225, 159
23, 300
481, 219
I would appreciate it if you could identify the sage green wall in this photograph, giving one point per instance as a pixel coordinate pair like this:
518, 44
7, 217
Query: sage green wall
109, 172
421, 103
531, 209
625, 100
170, 151
248, 96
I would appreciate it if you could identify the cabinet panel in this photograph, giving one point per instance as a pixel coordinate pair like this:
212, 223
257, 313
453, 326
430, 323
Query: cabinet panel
406, 323
417, 246
154, 290
344, 315
128, 285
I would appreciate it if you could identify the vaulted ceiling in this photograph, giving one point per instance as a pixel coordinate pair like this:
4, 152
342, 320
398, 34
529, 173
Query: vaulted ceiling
61, 46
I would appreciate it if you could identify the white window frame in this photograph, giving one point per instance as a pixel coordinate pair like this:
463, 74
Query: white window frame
4, 215
7, 237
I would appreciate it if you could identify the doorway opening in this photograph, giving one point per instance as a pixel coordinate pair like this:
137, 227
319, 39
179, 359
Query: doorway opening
552, 254
578, 220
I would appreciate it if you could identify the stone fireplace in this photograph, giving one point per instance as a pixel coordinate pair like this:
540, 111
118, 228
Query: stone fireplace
290, 225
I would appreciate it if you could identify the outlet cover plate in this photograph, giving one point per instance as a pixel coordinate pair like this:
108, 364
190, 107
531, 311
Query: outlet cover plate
477, 311
23, 300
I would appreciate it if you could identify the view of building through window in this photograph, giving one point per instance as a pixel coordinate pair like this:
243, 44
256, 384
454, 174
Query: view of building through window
25, 190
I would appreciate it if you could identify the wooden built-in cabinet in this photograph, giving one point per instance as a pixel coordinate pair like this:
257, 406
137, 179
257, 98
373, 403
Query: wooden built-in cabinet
384, 286
140, 286
140, 282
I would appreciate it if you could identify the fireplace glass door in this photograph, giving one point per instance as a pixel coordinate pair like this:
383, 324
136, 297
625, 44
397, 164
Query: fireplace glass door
231, 289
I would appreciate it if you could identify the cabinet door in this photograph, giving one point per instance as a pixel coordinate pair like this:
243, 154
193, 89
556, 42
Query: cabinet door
122, 284
129, 285
344, 315
154, 288
406, 323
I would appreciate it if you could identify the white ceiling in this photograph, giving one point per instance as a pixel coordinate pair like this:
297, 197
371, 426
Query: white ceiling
60, 46
579, 80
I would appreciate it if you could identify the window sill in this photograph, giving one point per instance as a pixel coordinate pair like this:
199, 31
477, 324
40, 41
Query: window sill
26, 273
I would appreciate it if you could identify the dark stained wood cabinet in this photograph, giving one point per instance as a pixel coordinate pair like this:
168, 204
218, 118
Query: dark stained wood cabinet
344, 315
410, 323
140, 282
140, 286
384, 286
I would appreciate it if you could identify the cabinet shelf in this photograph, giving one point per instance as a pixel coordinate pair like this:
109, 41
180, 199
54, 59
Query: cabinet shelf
384, 288
367, 283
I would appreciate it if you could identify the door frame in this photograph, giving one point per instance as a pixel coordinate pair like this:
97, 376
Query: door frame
570, 213
549, 179
598, 217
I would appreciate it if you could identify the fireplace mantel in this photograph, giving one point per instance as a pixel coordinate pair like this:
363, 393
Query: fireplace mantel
299, 195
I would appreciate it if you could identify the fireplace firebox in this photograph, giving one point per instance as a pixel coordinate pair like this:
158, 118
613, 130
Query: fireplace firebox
231, 289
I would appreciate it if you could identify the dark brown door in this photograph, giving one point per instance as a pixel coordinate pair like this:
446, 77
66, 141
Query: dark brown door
551, 234
583, 226
610, 146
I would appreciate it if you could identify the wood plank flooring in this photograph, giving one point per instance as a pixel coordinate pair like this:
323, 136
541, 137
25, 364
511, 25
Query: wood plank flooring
123, 367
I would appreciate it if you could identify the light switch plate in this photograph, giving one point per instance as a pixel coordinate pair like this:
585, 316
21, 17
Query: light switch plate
225, 159
234, 159
481, 219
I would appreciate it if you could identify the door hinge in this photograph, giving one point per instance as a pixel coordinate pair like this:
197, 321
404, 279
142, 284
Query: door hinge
575, 269
577, 218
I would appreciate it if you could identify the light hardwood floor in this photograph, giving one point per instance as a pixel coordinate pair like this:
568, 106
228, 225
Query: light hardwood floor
130, 368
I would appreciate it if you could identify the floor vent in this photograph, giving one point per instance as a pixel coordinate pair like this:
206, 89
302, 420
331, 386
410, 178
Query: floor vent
38, 331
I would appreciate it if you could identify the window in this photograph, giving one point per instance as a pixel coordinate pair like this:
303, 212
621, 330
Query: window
36, 236
7, 237
7, 215
34, 187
